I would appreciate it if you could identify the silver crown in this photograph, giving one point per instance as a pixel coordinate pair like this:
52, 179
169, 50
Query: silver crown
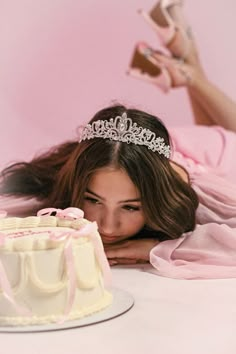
121, 128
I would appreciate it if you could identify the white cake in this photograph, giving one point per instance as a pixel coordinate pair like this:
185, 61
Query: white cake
52, 269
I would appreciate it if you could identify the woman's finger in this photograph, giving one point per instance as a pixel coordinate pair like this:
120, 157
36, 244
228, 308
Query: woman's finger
122, 261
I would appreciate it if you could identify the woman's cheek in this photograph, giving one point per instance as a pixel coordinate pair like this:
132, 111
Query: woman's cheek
89, 211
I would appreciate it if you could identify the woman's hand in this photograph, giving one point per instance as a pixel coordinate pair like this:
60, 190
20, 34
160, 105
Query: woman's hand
130, 251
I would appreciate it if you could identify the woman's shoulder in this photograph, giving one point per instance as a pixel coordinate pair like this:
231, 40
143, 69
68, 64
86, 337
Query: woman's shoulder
212, 146
192, 133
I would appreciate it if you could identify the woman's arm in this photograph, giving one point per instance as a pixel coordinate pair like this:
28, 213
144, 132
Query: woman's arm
130, 251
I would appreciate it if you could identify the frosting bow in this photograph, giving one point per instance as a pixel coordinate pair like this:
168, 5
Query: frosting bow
68, 213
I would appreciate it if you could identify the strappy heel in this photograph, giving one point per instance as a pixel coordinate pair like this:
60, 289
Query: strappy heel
170, 33
145, 67
157, 68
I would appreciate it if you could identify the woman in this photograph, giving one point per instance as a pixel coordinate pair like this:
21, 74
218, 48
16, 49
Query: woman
116, 180
158, 198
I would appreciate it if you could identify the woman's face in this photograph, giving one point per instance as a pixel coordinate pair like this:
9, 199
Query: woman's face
112, 200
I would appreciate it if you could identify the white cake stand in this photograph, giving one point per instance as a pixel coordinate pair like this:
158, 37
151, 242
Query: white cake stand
122, 302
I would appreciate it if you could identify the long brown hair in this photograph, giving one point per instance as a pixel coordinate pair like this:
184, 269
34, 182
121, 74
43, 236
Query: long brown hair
60, 176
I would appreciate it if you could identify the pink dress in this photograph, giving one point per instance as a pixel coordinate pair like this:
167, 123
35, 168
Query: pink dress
208, 154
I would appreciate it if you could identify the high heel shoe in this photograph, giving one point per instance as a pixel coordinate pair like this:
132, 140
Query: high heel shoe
171, 34
145, 67
159, 69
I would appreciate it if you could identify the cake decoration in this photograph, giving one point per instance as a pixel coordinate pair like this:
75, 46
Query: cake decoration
52, 268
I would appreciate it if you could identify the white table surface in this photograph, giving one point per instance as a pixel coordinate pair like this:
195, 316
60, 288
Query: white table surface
169, 317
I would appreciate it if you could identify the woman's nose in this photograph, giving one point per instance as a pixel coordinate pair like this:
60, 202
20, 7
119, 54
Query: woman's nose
109, 223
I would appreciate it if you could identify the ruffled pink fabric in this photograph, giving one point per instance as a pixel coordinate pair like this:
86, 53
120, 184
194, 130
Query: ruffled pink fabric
209, 251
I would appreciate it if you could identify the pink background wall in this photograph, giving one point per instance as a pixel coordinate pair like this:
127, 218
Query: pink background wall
62, 60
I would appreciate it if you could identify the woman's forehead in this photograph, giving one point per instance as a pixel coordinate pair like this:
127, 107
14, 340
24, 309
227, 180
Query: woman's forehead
111, 182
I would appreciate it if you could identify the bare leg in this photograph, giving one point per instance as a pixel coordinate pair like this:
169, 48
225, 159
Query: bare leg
209, 104
200, 116
218, 106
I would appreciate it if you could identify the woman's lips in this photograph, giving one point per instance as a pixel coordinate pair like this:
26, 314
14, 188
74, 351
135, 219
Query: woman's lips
106, 238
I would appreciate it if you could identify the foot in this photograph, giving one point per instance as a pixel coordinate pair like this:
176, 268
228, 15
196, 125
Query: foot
182, 74
184, 35
145, 66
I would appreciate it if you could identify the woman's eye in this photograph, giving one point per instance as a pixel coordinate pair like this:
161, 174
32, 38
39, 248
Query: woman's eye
131, 208
92, 200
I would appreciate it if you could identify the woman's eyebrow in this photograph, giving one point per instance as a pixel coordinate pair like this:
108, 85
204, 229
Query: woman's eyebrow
121, 201
96, 195
130, 200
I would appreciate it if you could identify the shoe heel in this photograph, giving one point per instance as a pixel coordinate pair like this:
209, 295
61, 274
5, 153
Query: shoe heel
161, 20
165, 33
146, 68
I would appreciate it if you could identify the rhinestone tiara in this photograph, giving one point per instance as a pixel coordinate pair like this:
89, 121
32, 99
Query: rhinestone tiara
122, 128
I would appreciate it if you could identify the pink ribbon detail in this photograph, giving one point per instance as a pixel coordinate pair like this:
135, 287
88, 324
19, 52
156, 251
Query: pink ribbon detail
6, 286
68, 213
86, 231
